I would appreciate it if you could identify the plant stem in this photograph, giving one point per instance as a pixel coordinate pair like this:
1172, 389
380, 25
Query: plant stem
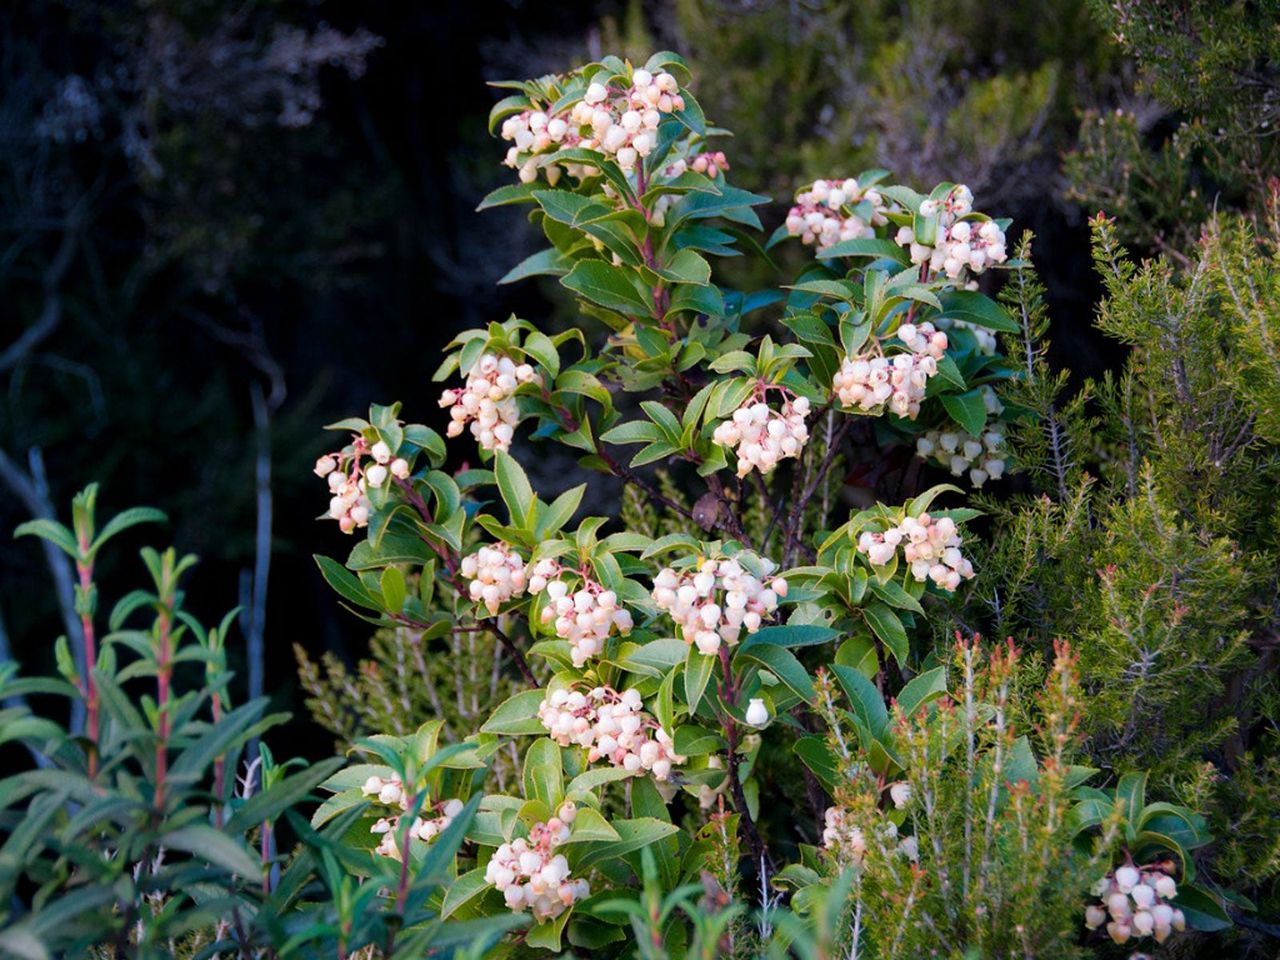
729, 694
164, 671
84, 568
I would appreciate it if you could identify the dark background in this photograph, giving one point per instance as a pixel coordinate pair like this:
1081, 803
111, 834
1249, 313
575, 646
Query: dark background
195, 249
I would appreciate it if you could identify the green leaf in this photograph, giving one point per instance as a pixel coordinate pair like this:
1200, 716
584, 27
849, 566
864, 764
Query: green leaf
517, 715
1131, 794
462, 891
514, 487
792, 635
51, 531
393, 589
123, 521
609, 286
543, 776
817, 756
687, 266
635, 835
697, 674
967, 409
921, 690
512, 193
1202, 909
864, 698
550, 262
590, 826
345, 583
560, 512
977, 308
783, 664
867, 247
205, 843
885, 624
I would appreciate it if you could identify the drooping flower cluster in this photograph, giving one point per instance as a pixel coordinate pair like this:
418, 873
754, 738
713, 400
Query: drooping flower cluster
930, 546
497, 574
869, 381
349, 480
715, 601
611, 726
390, 792
960, 244
487, 400
761, 436
982, 456
623, 124
534, 132
1134, 899
819, 217
842, 840
584, 616
531, 876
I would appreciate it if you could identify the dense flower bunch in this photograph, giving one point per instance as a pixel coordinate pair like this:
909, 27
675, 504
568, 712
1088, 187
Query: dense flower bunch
585, 616
868, 381
819, 217
761, 436
931, 547
497, 574
533, 132
717, 600
349, 480
842, 840
982, 456
532, 876
1135, 901
611, 726
487, 401
390, 792
961, 244
623, 124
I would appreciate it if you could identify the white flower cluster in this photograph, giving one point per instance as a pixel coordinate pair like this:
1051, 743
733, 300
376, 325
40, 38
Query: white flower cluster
624, 125
982, 456
584, 616
931, 547
531, 876
390, 792
842, 840
533, 132
1135, 901
496, 573
761, 436
818, 217
717, 600
349, 480
867, 382
960, 244
611, 726
487, 401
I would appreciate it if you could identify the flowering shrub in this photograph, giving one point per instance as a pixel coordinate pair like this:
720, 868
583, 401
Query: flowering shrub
735, 700
747, 630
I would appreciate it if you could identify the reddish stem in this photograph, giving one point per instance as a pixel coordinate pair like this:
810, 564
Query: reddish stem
85, 570
164, 671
